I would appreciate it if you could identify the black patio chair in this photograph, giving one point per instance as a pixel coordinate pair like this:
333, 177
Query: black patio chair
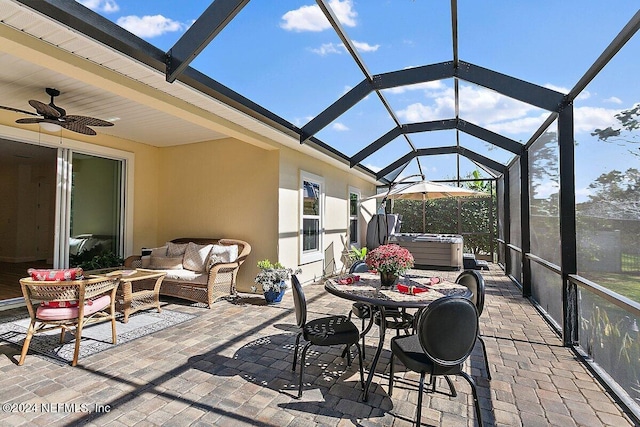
446, 333
474, 281
325, 331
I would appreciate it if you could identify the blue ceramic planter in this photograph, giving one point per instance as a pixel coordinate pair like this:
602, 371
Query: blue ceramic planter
273, 297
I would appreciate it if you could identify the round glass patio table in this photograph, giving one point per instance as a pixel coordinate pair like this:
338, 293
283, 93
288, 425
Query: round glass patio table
368, 291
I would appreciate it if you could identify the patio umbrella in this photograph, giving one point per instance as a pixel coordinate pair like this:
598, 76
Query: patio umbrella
427, 190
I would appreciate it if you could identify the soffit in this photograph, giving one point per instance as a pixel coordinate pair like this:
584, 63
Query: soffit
200, 118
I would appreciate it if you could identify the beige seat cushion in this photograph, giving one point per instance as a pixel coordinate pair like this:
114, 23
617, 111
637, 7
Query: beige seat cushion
186, 276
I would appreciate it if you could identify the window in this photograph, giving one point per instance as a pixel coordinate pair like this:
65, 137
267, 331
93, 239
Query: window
354, 210
312, 206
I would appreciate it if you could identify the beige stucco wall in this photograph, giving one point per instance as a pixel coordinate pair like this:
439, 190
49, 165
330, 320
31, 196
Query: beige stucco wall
336, 213
221, 189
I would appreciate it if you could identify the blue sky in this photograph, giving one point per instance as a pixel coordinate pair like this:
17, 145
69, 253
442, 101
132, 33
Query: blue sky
284, 55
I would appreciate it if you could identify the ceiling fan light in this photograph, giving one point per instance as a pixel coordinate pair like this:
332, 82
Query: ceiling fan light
50, 127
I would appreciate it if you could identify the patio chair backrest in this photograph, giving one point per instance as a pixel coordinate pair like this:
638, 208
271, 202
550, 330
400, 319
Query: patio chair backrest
474, 281
299, 301
70, 290
447, 330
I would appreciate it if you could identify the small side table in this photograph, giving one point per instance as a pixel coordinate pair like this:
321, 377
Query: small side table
128, 300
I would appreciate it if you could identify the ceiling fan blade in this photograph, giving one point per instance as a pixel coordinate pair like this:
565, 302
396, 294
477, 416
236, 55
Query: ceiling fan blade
78, 127
44, 109
87, 121
19, 111
30, 120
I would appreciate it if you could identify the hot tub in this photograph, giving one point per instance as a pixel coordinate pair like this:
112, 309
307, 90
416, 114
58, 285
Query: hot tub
436, 251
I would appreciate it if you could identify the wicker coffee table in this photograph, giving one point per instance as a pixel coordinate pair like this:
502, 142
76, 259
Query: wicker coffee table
139, 290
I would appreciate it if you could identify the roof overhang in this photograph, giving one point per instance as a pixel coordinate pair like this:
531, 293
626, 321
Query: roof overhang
104, 71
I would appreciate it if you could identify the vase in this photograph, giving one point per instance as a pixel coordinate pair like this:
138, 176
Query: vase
388, 279
273, 296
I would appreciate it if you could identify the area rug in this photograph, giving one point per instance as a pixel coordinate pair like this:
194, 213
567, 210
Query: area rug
95, 338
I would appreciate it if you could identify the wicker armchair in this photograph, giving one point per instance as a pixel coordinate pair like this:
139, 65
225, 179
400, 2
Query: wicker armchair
95, 298
221, 278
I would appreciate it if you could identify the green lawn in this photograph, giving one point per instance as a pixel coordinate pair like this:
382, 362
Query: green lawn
627, 284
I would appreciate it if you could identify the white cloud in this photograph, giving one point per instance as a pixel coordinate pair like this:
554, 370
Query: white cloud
582, 194
328, 48
484, 107
419, 112
107, 6
436, 85
365, 47
477, 105
546, 189
587, 119
339, 127
614, 100
149, 26
557, 88
311, 18
585, 94
526, 125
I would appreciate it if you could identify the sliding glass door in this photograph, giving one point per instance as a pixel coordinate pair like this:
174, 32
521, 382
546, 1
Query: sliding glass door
95, 220
60, 208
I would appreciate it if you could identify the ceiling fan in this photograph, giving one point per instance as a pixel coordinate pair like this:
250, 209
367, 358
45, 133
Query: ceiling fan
52, 115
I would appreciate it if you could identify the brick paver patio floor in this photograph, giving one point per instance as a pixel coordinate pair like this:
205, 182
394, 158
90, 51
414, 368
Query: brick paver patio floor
231, 366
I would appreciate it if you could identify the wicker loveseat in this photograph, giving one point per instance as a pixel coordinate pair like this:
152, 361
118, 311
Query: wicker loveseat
217, 280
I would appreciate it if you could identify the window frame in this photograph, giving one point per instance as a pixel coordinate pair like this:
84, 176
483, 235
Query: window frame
310, 256
356, 217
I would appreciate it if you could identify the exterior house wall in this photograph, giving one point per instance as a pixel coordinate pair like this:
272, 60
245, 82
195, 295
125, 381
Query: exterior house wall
221, 189
337, 182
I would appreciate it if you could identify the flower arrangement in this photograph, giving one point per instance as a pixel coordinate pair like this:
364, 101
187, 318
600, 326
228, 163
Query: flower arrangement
389, 259
273, 276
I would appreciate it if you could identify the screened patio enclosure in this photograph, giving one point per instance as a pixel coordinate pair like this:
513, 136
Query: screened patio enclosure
566, 169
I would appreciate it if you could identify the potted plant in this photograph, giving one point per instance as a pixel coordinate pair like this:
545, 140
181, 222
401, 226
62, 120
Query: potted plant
390, 261
273, 279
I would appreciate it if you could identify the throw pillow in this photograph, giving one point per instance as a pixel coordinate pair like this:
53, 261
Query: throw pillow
165, 263
55, 275
145, 261
195, 257
176, 249
222, 253
161, 251
60, 304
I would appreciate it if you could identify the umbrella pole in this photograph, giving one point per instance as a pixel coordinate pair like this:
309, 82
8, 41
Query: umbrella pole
424, 228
